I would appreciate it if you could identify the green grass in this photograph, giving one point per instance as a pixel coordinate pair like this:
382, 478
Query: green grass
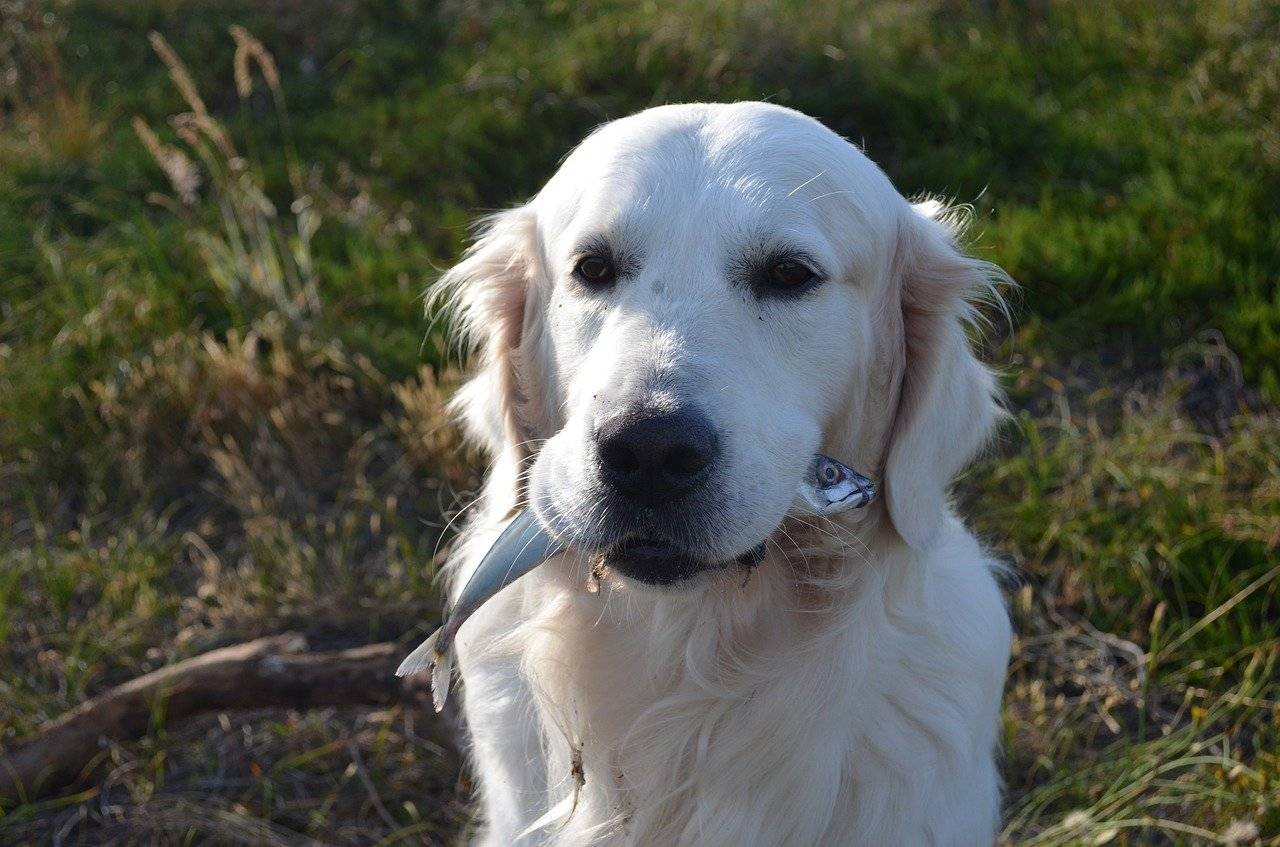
221, 403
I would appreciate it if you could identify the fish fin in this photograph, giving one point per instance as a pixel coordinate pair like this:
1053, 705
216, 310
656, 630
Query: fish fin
441, 677
423, 657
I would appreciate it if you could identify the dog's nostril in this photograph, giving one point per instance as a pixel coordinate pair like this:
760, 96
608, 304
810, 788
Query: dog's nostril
619, 457
686, 460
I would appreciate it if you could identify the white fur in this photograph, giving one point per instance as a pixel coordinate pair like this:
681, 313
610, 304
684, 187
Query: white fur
847, 690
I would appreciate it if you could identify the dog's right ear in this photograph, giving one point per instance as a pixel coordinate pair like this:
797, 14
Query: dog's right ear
492, 297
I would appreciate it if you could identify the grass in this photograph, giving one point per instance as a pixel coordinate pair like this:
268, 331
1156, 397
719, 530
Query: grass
1143, 695
221, 410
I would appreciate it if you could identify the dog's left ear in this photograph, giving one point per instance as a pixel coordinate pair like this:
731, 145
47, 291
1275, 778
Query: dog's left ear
948, 403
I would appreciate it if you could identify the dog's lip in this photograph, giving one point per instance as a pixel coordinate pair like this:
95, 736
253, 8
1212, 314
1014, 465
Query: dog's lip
642, 548
643, 552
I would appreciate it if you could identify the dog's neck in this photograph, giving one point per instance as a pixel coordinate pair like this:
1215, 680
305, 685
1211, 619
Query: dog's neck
631, 683
633, 687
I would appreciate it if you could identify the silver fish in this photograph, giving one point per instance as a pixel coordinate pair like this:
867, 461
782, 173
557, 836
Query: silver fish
521, 547
829, 487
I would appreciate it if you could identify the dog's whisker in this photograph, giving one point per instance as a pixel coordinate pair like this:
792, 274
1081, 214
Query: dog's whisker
435, 552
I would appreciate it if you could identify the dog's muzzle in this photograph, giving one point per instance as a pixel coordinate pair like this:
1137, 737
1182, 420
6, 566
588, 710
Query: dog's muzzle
829, 487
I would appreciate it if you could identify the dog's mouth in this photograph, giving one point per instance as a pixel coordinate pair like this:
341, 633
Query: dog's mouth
658, 562
644, 543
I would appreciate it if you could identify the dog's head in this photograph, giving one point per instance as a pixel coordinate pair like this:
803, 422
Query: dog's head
701, 298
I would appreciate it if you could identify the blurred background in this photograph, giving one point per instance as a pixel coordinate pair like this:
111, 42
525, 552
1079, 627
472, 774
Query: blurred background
220, 401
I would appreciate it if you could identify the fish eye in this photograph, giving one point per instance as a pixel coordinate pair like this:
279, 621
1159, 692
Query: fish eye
829, 472
595, 270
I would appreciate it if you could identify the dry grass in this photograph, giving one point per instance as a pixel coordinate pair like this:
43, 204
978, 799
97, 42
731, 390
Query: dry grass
1144, 697
50, 114
345, 776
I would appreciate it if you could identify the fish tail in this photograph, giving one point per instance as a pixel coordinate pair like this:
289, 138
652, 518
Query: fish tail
423, 657
441, 676
429, 656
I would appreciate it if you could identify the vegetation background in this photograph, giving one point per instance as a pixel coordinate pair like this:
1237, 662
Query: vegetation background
220, 400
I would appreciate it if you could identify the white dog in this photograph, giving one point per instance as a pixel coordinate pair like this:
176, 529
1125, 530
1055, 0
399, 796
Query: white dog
701, 298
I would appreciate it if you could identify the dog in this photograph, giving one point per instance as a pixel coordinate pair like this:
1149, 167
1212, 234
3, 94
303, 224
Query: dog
700, 298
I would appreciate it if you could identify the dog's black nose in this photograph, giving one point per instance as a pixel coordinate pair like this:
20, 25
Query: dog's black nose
650, 455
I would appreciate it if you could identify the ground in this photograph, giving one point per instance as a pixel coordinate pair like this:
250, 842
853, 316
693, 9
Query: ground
221, 399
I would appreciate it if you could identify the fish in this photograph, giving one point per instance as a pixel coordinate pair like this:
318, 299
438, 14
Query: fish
521, 547
829, 487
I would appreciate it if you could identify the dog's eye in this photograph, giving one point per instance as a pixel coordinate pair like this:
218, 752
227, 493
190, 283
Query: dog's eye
790, 274
596, 271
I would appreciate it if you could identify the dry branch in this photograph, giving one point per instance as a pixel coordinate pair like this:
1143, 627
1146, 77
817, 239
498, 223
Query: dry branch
274, 671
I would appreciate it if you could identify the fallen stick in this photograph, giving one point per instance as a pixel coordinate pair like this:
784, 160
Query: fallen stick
273, 671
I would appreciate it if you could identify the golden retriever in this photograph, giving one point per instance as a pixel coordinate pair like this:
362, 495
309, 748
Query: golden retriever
699, 299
